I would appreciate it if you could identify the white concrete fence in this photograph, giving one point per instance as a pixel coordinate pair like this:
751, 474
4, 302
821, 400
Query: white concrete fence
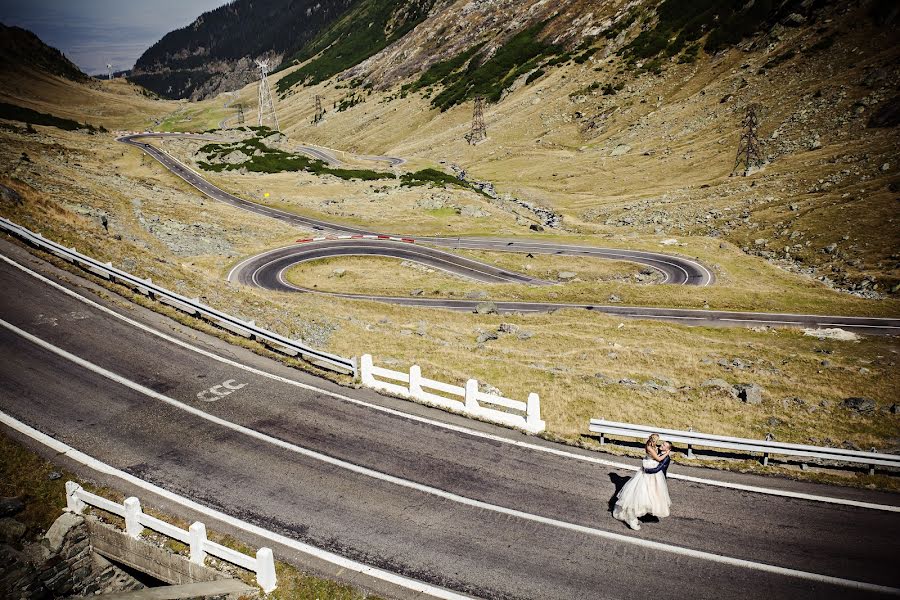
263, 564
472, 404
765, 447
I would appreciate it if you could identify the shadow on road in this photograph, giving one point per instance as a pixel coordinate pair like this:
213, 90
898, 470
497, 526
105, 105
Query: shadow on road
617, 481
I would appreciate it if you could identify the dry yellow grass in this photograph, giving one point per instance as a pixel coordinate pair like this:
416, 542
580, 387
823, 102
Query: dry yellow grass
187, 243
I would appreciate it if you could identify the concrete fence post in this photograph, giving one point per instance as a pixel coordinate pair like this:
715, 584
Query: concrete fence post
365, 370
133, 513
265, 570
533, 414
415, 381
197, 534
73, 502
471, 395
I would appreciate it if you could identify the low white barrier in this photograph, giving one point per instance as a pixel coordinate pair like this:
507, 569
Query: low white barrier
263, 564
766, 447
415, 386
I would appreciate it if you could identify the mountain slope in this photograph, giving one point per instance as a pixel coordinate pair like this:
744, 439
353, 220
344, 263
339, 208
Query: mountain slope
625, 140
19, 47
215, 53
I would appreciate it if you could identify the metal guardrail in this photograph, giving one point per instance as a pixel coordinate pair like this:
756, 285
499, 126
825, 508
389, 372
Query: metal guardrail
191, 306
766, 447
263, 564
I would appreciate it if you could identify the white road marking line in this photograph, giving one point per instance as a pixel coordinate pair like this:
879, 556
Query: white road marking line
330, 557
427, 489
441, 424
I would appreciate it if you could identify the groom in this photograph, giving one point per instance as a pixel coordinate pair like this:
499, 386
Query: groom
664, 463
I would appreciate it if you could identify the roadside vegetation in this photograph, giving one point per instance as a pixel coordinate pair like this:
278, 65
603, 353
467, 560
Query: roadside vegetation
42, 486
365, 29
256, 156
33, 117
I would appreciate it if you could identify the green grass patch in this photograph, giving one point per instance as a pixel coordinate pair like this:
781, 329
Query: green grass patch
436, 178
33, 117
365, 30
519, 55
439, 71
264, 159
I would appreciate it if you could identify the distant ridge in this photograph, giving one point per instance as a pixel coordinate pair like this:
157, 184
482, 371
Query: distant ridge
21, 47
215, 53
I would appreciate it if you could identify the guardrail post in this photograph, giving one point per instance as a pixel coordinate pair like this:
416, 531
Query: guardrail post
472, 395
365, 370
872, 467
133, 525
197, 532
533, 414
690, 452
415, 381
265, 570
73, 502
765, 459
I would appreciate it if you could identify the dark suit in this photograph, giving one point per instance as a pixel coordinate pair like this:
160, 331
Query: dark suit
662, 466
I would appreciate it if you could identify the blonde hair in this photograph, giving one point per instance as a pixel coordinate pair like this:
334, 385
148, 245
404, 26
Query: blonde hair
653, 438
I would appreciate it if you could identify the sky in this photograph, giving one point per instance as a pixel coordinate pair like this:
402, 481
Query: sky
92, 33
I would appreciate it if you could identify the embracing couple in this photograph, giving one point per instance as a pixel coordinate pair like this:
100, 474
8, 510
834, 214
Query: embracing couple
646, 493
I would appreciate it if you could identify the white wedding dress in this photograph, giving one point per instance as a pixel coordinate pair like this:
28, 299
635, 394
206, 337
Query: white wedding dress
644, 494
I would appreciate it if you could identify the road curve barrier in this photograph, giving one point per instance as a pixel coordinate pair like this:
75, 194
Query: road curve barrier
191, 306
527, 415
765, 447
263, 564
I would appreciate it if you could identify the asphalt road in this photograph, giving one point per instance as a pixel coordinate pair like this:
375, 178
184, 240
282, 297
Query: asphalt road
267, 271
676, 269
329, 158
427, 533
264, 270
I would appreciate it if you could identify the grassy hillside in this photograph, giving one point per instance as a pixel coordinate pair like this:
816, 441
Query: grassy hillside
363, 31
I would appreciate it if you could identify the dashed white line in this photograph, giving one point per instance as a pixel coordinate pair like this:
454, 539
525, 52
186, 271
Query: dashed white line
463, 500
456, 428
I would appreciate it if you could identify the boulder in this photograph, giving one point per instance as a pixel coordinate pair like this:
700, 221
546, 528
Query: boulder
749, 393
859, 404
486, 308
566, 275
486, 336
56, 535
620, 150
719, 384
11, 531
508, 328
11, 506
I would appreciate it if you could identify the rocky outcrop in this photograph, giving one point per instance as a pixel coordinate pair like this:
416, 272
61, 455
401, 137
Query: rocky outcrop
59, 565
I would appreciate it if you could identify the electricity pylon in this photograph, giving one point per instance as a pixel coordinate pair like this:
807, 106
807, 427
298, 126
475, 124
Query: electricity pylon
748, 148
266, 104
320, 112
478, 133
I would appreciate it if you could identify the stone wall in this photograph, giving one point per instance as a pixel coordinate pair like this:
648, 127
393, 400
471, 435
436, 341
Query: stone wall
60, 564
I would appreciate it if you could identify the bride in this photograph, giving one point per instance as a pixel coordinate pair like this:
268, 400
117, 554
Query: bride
645, 493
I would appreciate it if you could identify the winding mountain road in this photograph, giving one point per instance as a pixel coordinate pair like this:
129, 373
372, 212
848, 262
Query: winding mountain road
328, 156
465, 506
266, 270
